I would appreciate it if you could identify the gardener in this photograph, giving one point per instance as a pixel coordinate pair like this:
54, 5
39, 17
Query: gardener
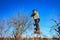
36, 18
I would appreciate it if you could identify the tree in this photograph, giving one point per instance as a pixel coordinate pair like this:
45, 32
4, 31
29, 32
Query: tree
56, 28
20, 23
2, 24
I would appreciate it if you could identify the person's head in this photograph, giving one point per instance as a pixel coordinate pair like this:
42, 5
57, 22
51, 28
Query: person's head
35, 11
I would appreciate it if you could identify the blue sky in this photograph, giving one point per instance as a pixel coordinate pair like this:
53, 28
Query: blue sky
47, 9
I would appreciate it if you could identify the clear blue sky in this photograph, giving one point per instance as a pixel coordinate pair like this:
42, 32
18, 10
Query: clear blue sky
47, 9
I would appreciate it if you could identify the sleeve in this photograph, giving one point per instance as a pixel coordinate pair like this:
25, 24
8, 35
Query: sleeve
33, 15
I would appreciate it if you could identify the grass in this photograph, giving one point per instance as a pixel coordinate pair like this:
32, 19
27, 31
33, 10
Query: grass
28, 38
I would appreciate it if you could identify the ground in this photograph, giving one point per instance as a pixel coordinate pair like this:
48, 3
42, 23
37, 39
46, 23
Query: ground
28, 38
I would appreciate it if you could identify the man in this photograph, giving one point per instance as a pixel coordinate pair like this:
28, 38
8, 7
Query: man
36, 18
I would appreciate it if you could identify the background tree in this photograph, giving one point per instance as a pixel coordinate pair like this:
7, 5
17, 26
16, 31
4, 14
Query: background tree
20, 23
56, 28
2, 27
